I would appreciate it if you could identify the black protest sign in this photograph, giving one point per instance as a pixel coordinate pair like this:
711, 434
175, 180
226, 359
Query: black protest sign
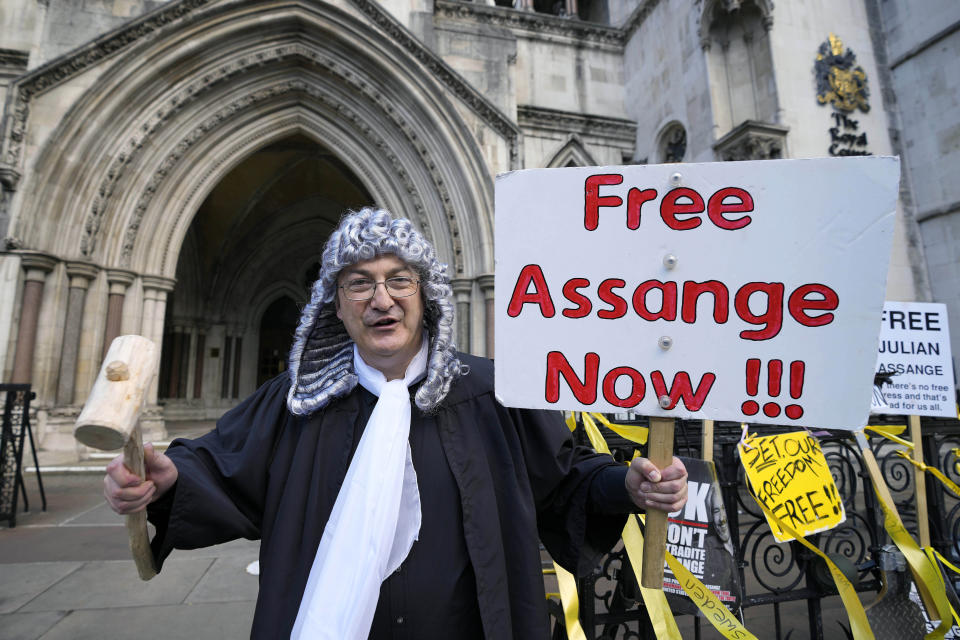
699, 538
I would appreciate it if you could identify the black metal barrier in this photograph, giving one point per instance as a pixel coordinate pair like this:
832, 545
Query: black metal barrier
14, 432
774, 576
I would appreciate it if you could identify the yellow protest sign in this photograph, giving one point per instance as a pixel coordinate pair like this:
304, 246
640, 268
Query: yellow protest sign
790, 476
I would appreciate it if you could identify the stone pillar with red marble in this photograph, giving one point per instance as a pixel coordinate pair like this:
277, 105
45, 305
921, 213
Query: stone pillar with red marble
36, 266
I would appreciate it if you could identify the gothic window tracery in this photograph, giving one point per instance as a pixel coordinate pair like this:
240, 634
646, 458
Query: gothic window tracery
735, 36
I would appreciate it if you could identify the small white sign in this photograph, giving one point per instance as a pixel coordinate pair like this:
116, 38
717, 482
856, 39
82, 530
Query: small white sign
915, 348
744, 291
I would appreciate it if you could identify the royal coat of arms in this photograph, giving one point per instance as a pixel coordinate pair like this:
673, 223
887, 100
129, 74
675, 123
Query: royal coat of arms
839, 80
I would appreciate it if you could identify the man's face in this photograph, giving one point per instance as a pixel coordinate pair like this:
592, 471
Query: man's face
387, 330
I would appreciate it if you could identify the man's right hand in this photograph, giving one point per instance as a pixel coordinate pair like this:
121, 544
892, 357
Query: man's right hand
126, 493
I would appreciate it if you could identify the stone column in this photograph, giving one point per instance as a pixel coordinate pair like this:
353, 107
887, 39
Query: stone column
37, 266
462, 288
486, 286
155, 289
176, 354
119, 281
198, 364
80, 274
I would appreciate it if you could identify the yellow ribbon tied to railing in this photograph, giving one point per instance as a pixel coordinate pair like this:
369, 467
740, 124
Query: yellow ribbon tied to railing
926, 575
933, 555
936, 473
570, 603
859, 625
654, 600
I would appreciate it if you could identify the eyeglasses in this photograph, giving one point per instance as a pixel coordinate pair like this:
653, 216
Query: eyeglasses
364, 288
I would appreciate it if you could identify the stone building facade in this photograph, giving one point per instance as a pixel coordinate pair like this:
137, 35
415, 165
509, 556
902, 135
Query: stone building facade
171, 168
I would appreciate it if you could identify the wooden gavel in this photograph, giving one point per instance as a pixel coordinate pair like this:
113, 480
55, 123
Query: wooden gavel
109, 421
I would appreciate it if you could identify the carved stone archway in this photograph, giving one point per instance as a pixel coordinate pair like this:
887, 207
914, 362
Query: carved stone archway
118, 181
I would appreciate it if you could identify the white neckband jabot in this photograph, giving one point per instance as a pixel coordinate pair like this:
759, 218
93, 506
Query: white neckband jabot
376, 517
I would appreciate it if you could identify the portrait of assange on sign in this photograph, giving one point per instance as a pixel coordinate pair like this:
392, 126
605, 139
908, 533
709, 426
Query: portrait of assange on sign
382, 477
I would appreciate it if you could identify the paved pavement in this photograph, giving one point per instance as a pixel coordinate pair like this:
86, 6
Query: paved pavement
67, 574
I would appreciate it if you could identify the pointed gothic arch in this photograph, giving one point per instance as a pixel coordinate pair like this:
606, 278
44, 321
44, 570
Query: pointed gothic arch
713, 9
572, 153
108, 194
144, 146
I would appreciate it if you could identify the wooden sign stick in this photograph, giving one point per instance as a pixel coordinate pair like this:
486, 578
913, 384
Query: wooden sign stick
920, 476
707, 447
660, 453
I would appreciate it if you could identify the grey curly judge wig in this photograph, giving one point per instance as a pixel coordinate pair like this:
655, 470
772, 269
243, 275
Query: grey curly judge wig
321, 358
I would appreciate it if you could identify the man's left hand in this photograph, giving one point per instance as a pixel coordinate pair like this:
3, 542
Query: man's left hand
651, 488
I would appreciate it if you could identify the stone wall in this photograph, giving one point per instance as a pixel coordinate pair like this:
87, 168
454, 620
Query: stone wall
922, 49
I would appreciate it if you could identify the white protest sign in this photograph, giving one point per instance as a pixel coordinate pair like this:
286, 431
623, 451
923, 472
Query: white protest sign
744, 291
915, 346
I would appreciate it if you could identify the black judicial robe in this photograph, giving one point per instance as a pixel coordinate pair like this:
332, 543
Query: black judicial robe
266, 474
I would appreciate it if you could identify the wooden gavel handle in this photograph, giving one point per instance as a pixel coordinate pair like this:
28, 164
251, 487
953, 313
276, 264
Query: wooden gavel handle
137, 522
660, 453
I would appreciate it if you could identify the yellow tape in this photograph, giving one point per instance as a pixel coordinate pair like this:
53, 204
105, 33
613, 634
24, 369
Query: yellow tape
851, 602
594, 435
661, 617
926, 576
933, 555
630, 432
883, 429
713, 609
570, 602
944, 561
655, 601
890, 432
936, 473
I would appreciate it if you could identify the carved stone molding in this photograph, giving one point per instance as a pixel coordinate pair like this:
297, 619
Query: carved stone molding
752, 140
531, 23
314, 93
617, 129
155, 118
121, 277
13, 62
66, 66
37, 261
158, 283
486, 282
462, 288
9, 177
81, 273
74, 62
574, 151
712, 9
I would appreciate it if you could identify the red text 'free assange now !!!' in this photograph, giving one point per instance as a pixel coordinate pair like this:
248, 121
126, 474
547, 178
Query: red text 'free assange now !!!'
763, 305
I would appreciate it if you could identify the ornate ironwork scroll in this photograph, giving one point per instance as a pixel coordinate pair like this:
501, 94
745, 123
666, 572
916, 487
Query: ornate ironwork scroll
774, 575
14, 428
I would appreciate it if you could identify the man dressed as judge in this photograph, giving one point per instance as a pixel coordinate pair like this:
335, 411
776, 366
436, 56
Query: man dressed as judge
393, 496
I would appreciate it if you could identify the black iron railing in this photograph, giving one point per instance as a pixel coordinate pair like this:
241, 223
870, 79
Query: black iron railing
778, 576
15, 431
